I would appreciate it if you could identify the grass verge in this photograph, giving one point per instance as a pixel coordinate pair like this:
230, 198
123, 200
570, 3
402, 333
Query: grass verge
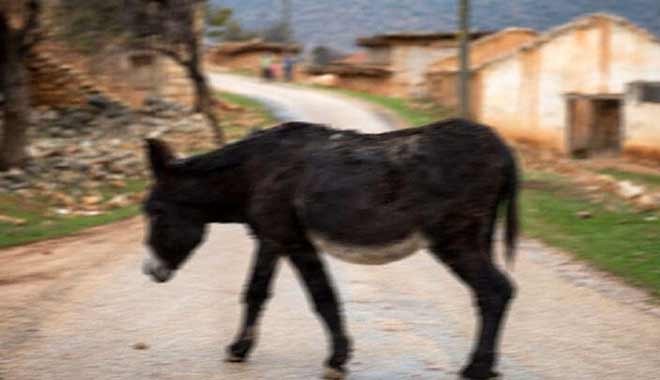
414, 112
237, 126
615, 238
41, 224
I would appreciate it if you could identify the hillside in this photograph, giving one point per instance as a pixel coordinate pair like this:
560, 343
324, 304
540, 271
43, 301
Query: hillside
337, 22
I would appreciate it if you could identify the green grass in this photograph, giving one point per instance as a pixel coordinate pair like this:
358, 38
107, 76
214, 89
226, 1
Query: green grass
413, 112
651, 180
245, 102
616, 238
41, 222
233, 128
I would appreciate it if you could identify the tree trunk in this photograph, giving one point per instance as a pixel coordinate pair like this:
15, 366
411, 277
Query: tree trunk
13, 146
204, 99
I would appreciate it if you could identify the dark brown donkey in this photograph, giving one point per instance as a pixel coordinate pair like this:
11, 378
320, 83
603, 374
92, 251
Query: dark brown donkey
304, 189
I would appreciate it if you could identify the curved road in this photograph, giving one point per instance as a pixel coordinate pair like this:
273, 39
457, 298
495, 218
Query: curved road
93, 315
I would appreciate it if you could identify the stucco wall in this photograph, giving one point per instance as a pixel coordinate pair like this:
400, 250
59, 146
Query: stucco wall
411, 62
442, 88
442, 75
642, 122
524, 94
379, 55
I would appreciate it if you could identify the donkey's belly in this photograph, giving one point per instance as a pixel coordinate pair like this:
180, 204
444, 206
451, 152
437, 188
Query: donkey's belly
371, 254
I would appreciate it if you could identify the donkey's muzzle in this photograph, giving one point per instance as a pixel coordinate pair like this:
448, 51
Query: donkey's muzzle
157, 270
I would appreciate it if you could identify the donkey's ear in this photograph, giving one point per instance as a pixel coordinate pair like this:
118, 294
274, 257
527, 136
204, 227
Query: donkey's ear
160, 156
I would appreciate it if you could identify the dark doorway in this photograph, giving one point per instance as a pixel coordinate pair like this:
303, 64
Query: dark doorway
594, 125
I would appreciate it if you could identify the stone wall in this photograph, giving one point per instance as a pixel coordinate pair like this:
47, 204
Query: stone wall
58, 85
62, 77
134, 76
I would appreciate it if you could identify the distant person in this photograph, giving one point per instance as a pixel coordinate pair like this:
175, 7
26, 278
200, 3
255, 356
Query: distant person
274, 69
266, 67
289, 66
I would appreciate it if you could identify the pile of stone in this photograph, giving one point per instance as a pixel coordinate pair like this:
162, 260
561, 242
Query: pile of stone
162, 108
83, 158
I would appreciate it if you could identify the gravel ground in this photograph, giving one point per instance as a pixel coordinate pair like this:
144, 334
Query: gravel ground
81, 309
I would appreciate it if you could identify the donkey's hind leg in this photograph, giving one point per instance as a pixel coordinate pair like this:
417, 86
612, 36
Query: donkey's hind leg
492, 292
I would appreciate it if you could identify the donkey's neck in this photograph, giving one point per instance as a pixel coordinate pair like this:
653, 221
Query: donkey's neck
216, 182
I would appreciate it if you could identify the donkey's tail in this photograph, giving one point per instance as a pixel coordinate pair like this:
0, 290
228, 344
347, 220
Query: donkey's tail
512, 225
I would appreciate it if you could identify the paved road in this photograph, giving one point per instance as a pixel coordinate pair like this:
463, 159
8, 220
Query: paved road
409, 320
293, 103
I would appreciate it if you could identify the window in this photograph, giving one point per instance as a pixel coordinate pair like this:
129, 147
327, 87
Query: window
649, 92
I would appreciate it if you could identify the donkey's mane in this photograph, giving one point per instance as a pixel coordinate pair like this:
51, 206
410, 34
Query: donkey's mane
227, 156
236, 153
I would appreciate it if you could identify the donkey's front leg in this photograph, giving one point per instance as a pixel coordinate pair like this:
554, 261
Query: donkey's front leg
319, 287
256, 294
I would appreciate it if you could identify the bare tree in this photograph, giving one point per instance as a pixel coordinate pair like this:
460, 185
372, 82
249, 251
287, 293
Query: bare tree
464, 81
89, 26
19, 23
174, 29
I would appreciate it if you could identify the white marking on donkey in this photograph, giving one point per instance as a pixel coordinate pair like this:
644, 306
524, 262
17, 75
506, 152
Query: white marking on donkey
370, 255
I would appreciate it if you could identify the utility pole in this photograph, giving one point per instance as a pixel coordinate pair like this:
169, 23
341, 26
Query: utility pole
286, 20
464, 80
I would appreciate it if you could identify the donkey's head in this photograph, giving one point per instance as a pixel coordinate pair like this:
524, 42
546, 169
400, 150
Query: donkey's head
176, 226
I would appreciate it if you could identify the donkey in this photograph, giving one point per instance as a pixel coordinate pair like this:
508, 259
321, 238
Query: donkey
369, 199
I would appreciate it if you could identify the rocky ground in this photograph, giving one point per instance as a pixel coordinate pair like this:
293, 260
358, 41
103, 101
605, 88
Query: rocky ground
585, 178
87, 160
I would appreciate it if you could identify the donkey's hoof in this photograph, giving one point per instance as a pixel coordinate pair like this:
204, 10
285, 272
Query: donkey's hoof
231, 358
476, 372
238, 352
334, 374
